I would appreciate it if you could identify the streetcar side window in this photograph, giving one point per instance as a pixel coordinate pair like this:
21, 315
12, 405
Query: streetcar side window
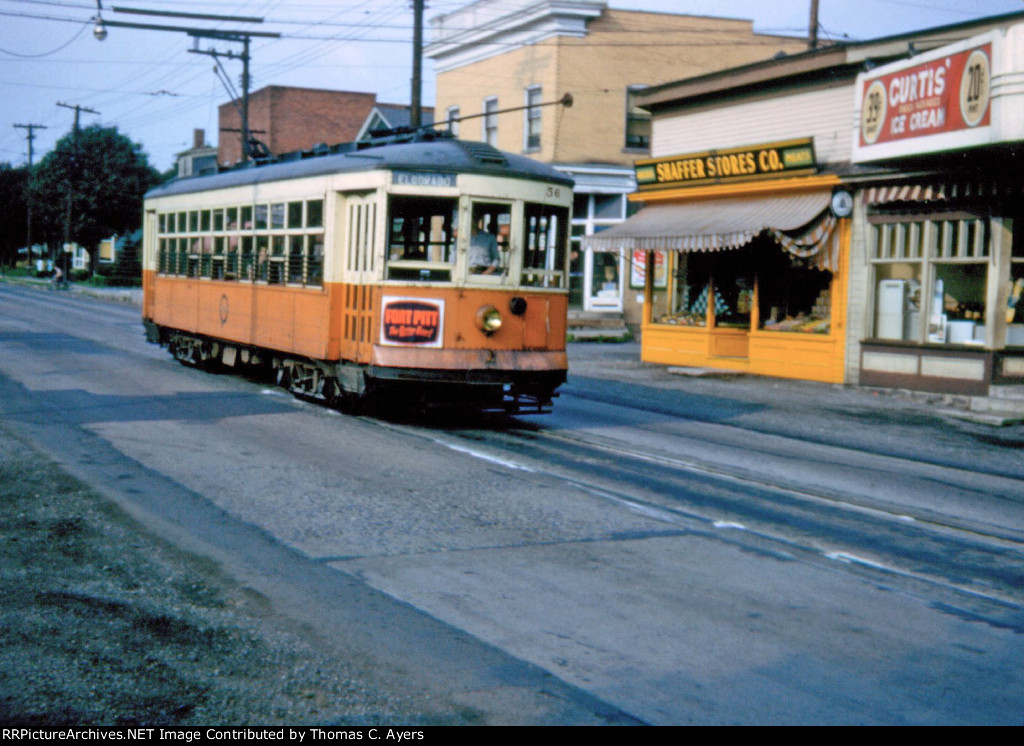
275, 243
294, 214
315, 261
544, 246
421, 238
315, 213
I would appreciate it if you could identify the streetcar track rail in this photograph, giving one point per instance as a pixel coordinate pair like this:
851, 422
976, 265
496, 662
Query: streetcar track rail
875, 557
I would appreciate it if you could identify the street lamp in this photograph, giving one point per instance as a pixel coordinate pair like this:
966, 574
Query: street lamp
99, 30
242, 37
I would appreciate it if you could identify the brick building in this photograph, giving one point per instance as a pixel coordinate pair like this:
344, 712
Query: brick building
287, 119
499, 54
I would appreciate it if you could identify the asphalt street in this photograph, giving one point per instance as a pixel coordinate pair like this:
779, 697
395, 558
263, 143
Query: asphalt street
662, 549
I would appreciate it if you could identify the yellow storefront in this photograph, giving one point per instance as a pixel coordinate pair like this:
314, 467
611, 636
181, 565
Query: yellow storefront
744, 257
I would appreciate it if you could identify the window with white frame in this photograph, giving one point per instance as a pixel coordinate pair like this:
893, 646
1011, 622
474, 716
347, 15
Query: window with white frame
531, 124
638, 121
931, 278
1015, 293
452, 115
491, 121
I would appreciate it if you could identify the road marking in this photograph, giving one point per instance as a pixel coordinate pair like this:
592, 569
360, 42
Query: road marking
853, 559
483, 456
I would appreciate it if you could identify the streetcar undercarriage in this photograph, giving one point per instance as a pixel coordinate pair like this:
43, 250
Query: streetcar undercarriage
353, 387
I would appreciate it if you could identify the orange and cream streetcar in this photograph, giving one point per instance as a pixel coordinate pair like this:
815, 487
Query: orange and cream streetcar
428, 271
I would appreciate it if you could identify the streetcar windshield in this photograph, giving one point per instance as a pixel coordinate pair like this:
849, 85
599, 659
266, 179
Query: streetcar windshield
421, 238
489, 239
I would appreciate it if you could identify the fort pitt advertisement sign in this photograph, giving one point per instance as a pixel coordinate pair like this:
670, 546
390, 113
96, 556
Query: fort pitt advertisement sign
417, 322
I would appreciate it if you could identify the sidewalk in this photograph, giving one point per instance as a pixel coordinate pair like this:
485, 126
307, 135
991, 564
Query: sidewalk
621, 362
118, 295
888, 422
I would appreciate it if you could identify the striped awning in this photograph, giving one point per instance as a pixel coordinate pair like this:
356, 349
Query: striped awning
802, 224
947, 191
710, 225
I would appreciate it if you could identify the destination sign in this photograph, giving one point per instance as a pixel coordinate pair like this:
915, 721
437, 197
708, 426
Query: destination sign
422, 179
733, 164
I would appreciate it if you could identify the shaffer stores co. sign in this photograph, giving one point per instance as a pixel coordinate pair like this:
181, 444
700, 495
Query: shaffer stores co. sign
942, 95
752, 162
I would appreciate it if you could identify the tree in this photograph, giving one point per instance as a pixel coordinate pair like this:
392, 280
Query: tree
91, 186
13, 216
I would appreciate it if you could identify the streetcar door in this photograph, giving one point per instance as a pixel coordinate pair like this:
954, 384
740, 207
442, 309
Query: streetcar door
355, 245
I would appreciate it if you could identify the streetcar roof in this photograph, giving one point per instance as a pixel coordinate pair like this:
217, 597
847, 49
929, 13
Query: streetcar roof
438, 156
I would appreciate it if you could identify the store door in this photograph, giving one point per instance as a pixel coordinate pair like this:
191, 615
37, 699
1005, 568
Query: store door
603, 281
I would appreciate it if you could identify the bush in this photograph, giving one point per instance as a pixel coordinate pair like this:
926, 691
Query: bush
128, 267
20, 271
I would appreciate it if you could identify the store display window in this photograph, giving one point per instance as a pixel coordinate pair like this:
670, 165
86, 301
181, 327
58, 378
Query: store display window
1014, 310
792, 296
687, 301
931, 279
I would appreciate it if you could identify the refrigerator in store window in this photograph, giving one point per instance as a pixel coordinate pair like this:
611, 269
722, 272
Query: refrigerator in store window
893, 309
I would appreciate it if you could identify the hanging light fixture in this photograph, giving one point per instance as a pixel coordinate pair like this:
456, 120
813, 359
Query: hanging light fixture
99, 31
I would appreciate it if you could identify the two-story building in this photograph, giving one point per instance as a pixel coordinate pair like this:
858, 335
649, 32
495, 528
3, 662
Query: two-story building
495, 55
850, 214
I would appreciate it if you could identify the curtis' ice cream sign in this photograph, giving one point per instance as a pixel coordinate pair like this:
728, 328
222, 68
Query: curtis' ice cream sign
946, 94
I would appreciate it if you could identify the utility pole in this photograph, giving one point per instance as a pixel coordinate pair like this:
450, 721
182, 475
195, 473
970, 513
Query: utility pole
416, 110
78, 112
72, 174
243, 113
242, 37
29, 136
812, 39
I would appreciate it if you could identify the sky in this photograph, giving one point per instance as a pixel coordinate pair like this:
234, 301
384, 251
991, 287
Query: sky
149, 85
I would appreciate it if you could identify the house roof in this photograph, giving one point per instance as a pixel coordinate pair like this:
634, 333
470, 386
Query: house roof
392, 116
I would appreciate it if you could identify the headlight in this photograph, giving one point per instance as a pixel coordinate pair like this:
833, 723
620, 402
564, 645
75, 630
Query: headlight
488, 319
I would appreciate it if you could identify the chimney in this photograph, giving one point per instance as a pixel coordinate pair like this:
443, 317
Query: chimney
198, 139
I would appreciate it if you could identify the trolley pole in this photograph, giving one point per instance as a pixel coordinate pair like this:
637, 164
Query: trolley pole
29, 136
